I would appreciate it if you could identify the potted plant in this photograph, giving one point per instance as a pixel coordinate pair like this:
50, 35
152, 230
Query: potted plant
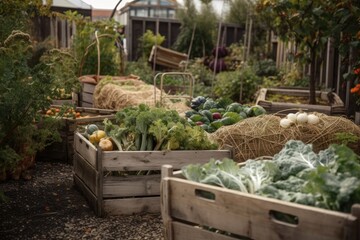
25, 90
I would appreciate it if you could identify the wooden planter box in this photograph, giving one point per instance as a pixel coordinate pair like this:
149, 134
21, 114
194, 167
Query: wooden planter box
86, 95
187, 214
123, 195
336, 108
63, 151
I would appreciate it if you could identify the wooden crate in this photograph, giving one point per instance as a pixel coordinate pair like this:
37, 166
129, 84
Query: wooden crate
122, 195
336, 108
187, 214
63, 151
86, 96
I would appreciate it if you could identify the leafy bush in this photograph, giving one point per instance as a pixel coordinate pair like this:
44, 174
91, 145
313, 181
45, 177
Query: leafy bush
228, 84
140, 68
147, 41
266, 68
85, 47
24, 91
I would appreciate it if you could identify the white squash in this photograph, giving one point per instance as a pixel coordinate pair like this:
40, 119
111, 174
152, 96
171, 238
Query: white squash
313, 119
302, 118
285, 123
291, 117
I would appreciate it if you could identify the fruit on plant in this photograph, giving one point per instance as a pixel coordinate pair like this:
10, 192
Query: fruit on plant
91, 128
105, 144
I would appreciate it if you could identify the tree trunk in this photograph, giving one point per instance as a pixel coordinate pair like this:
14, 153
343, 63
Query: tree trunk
312, 84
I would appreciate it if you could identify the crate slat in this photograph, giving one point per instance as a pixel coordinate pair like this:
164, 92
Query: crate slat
87, 173
183, 231
119, 194
153, 160
131, 186
127, 206
250, 215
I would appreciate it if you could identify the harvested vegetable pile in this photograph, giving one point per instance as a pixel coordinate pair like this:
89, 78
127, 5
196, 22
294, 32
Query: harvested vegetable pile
115, 94
264, 136
329, 179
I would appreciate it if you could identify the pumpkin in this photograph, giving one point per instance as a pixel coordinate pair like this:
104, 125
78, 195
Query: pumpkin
91, 128
99, 134
105, 144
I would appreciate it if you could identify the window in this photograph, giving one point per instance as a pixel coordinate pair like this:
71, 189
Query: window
141, 12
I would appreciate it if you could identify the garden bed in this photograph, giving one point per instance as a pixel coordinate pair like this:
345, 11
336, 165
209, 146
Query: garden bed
63, 151
125, 192
192, 210
333, 106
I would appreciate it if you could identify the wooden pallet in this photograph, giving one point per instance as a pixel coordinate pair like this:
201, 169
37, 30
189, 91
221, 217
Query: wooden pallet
127, 194
188, 214
337, 108
63, 151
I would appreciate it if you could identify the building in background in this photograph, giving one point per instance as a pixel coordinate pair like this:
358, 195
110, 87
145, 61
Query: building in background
164, 9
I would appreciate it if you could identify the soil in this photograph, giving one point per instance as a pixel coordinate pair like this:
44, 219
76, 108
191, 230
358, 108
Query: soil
48, 206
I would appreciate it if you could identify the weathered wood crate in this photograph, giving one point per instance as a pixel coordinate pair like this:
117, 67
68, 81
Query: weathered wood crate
127, 194
63, 151
188, 214
86, 98
337, 106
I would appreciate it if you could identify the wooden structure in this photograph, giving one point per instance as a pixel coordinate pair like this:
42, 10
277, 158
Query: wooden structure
126, 193
335, 108
167, 58
189, 213
86, 96
63, 151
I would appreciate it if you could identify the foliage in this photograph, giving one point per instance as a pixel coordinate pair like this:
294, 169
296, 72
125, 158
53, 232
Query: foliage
200, 72
85, 48
329, 179
147, 41
202, 23
16, 14
24, 91
229, 84
238, 11
144, 128
140, 68
266, 68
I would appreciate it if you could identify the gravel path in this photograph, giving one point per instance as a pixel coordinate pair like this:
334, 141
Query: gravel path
49, 207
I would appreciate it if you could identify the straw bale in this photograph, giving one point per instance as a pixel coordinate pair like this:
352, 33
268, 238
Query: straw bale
263, 136
117, 94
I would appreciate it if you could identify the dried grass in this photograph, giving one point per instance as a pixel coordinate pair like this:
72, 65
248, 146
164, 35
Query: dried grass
263, 136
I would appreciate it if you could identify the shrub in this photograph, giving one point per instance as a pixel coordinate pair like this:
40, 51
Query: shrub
24, 92
228, 84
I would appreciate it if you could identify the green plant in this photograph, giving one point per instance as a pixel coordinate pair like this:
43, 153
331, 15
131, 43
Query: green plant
198, 29
147, 41
84, 47
230, 84
24, 92
140, 68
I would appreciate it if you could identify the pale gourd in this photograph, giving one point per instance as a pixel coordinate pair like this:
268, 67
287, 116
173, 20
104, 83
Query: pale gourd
313, 119
291, 117
105, 144
302, 118
285, 123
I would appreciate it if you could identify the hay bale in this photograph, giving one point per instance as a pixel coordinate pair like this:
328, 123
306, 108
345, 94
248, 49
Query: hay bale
117, 94
263, 136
